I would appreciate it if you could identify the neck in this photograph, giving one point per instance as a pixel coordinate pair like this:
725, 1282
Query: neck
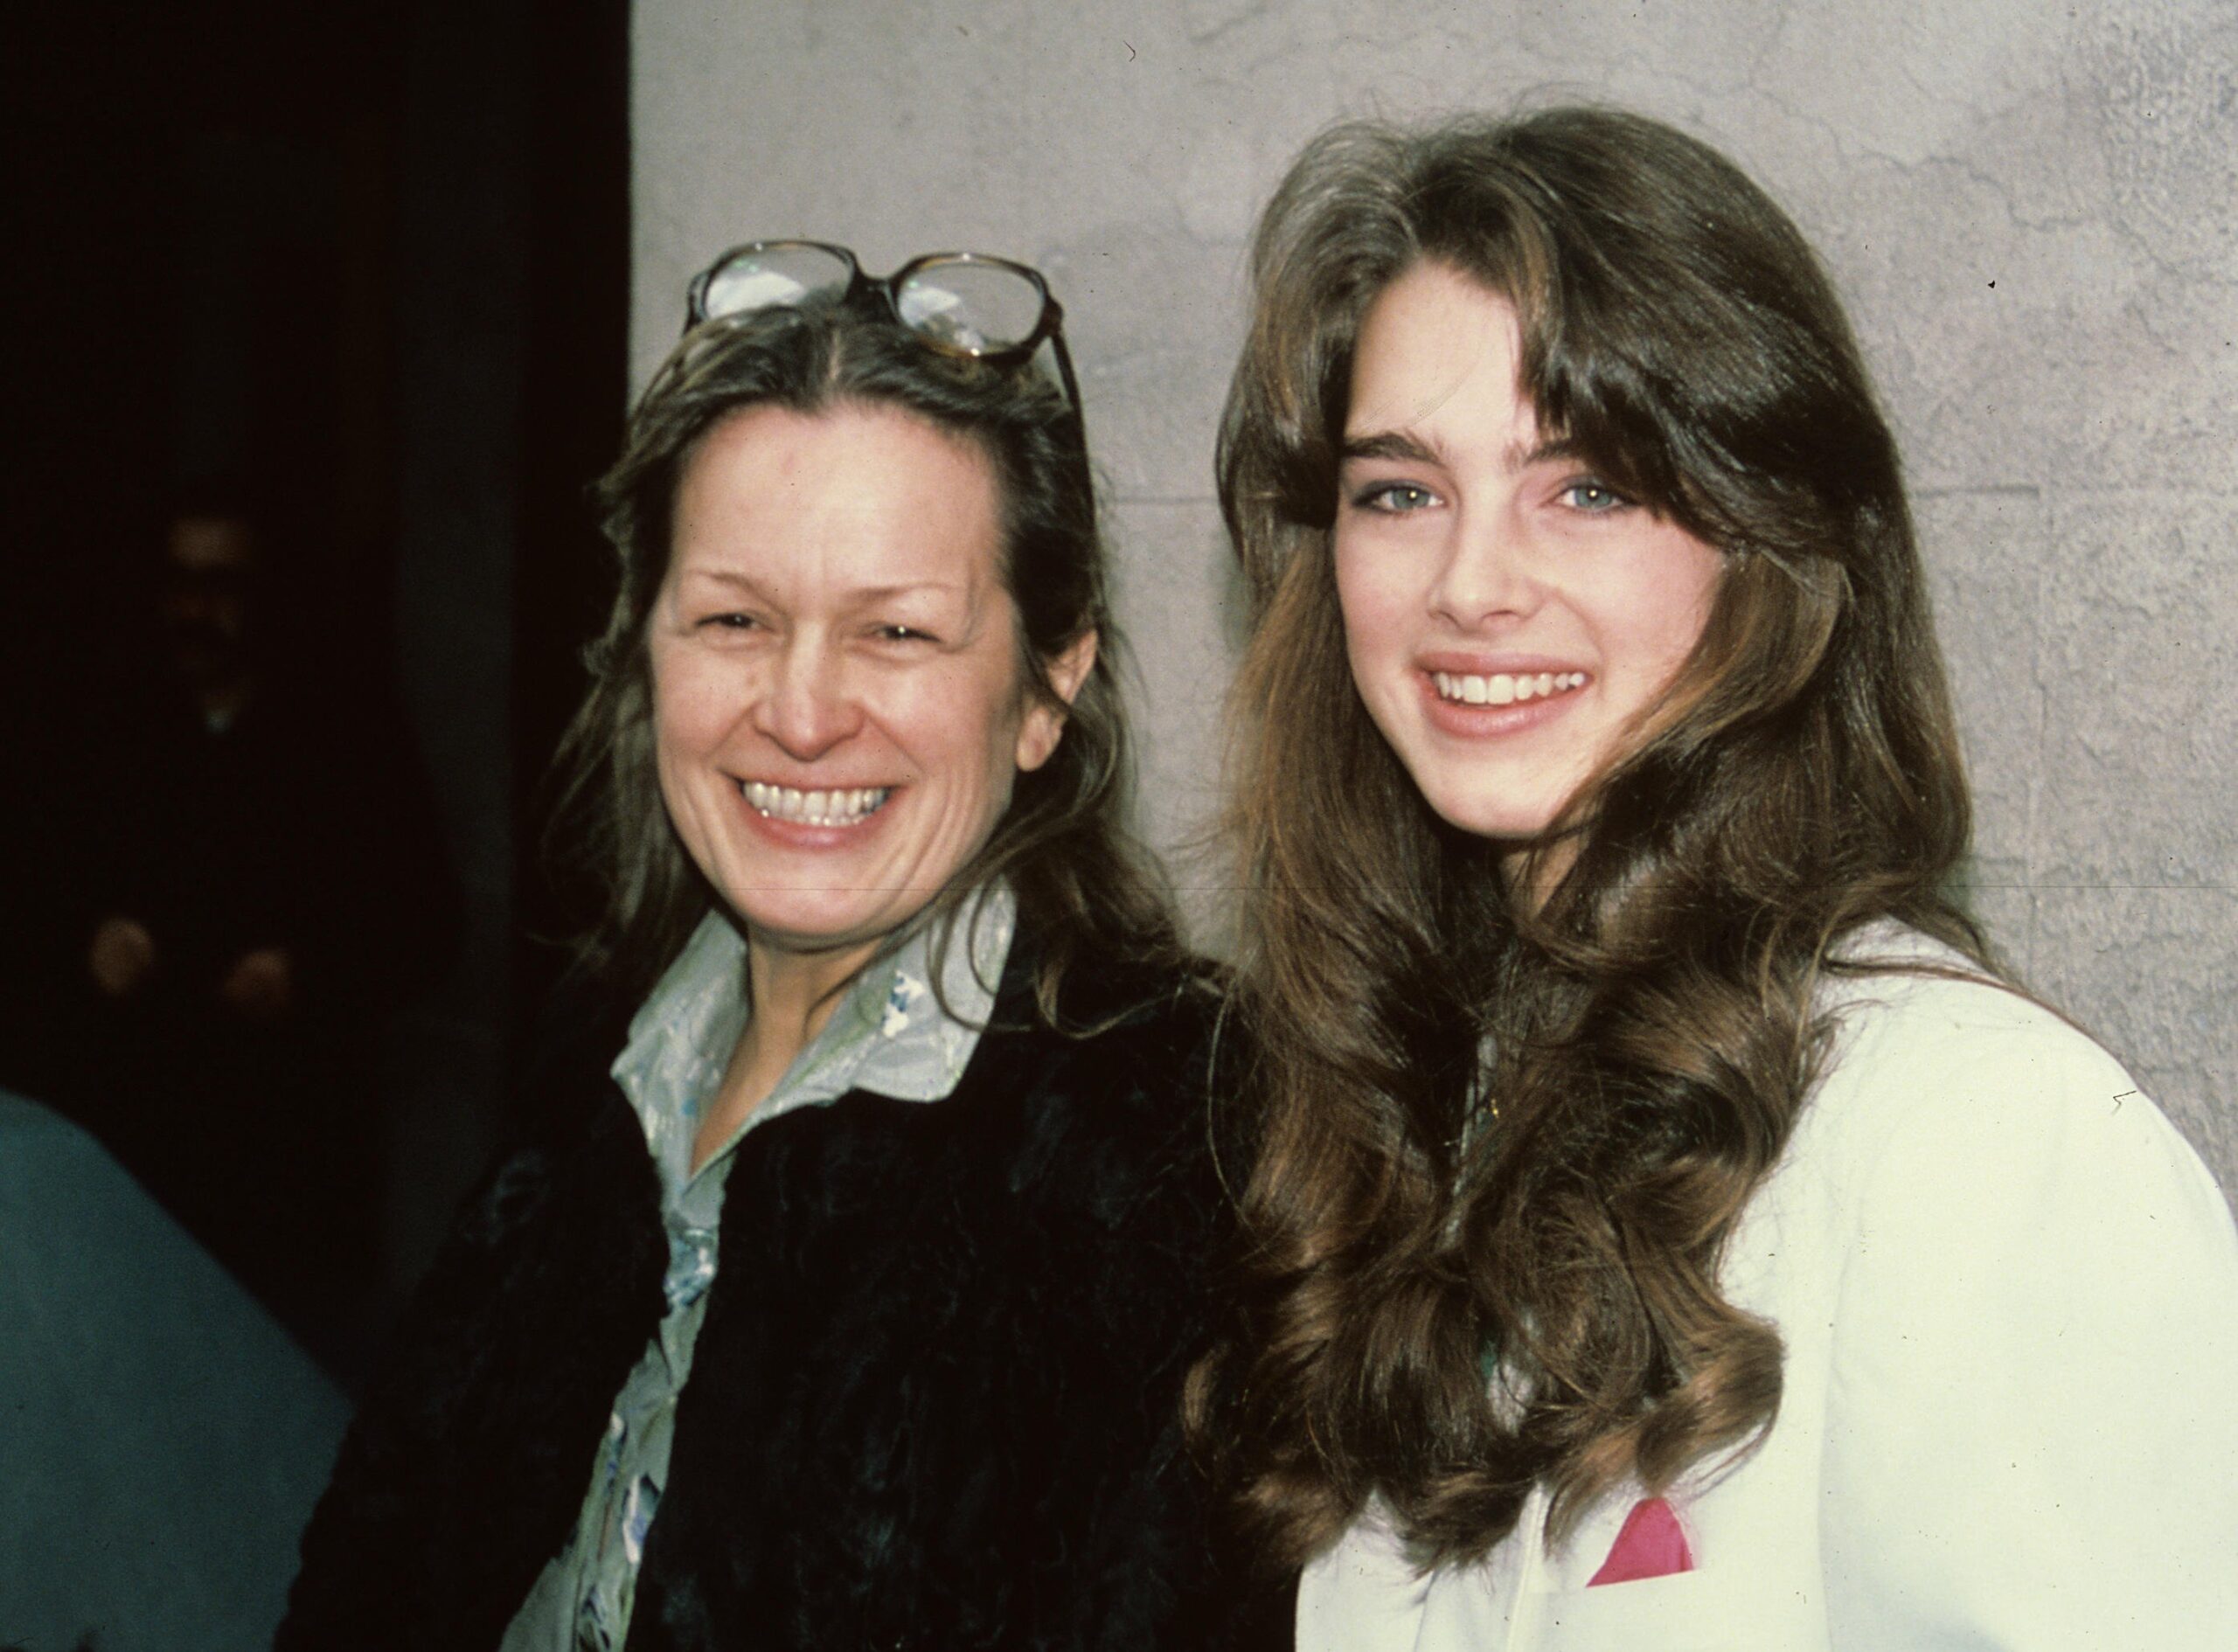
795, 994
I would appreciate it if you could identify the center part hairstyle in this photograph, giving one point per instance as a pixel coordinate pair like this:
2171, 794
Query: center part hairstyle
1083, 885
1501, 1146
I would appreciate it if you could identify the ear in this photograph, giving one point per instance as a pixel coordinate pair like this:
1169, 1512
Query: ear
1043, 723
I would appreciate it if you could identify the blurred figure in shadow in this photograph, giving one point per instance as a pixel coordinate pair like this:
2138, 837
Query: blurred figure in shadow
245, 878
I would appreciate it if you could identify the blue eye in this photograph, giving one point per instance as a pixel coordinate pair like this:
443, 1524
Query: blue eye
1588, 494
1394, 498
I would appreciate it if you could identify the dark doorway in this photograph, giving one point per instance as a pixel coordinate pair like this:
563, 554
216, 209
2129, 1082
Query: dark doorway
369, 263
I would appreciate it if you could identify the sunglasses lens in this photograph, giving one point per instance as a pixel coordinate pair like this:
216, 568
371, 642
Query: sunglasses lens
970, 306
763, 276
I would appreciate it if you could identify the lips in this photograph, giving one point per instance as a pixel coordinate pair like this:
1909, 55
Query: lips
828, 806
1469, 699
1504, 687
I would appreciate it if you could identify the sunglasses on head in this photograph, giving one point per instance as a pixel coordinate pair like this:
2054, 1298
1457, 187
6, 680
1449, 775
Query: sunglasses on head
967, 304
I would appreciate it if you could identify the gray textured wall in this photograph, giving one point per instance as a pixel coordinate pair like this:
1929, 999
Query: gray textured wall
2032, 206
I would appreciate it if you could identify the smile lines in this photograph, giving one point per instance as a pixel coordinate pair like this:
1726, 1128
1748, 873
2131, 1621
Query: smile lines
815, 808
1503, 688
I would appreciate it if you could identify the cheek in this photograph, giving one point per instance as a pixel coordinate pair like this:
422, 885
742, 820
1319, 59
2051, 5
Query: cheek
1702, 570
692, 705
1660, 648
956, 727
1006, 737
1665, 609
673, 750
688, 729
1370, 607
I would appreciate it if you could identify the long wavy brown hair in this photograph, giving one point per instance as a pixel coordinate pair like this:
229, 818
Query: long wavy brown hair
1084, 885
1503, 1141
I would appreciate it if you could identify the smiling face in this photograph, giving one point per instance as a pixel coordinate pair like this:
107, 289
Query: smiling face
839, 706
1508, 616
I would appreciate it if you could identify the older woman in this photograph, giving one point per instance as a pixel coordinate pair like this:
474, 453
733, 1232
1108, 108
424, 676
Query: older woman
1672, 1231
838, 1289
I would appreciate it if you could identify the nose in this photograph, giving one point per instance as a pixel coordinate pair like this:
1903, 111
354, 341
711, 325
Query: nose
1488, 573
807, 707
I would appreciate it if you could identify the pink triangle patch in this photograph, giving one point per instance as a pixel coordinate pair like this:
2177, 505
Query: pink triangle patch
1652, 1545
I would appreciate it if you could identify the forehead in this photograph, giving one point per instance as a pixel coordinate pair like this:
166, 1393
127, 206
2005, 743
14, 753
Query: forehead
1437, 346
871, 490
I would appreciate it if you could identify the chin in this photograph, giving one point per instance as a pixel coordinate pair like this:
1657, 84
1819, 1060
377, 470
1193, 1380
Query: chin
1497, 815
806, 921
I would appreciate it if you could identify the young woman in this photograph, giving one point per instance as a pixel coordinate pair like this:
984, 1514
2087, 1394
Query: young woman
1671, 1229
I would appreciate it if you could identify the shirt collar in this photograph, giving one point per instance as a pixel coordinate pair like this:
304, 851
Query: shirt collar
891, 1034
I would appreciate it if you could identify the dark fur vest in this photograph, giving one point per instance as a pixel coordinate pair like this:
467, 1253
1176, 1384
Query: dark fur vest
934, 1401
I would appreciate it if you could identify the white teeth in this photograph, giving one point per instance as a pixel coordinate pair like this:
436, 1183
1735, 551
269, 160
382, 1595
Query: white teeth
815, 808
1503, 688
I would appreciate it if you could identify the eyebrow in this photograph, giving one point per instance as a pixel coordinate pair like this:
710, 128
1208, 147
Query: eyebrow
867, 594
1401, 445
1406, 447
886, 593
719, 576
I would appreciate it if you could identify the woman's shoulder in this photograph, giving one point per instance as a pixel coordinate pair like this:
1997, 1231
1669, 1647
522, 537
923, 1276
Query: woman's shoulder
578, 1025
1118, 1085
1937, 1072
1983, 1244
1117, 1011
1897, 1004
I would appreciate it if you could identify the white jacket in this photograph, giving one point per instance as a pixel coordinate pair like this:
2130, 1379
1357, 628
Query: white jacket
2008, 1292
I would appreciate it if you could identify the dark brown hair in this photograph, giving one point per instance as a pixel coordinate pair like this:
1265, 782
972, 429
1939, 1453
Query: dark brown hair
1419, 1217
1082, 884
